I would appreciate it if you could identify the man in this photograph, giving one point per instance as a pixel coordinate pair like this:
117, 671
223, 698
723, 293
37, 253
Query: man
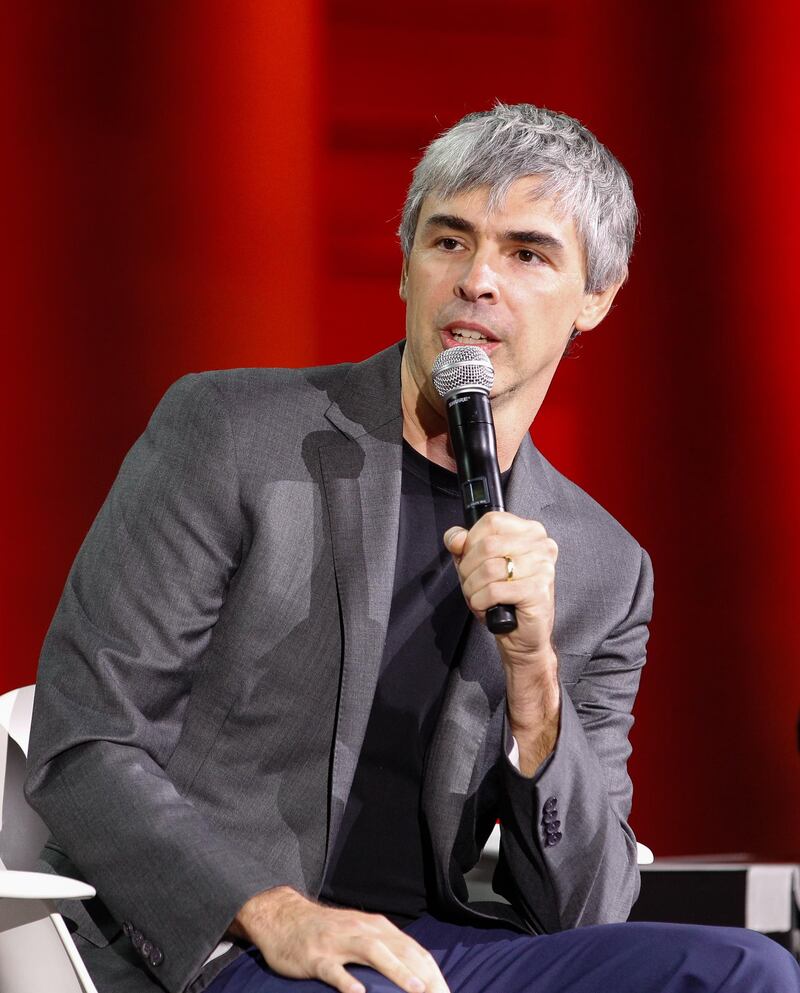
268, 709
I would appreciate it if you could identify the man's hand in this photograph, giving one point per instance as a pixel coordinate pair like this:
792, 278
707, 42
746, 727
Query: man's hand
482, 556
304, 940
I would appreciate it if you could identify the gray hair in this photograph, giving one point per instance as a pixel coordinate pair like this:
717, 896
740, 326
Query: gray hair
496, 147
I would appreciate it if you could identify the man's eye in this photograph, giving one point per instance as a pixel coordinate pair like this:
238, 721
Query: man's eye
449, 243
526, 255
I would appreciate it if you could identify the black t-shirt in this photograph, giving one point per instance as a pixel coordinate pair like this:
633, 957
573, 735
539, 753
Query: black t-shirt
381, 861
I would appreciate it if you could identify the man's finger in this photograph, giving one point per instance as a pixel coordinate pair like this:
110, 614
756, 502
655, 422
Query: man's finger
424, 965
383, 960
496, 570
402, 959
435, 983
519, 548
338, 977
454, 539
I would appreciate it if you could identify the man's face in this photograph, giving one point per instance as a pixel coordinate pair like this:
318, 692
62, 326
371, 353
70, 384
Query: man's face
510, 281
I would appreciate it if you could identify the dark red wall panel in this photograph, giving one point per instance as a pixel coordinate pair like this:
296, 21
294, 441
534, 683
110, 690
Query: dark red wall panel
164, 219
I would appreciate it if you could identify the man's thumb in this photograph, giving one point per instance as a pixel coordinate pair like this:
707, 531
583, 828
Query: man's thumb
454, 539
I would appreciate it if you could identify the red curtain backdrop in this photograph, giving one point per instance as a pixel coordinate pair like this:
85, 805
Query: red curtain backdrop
205, 185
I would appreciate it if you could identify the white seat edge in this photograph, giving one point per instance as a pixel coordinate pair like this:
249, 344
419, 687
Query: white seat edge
17, 885
644, 856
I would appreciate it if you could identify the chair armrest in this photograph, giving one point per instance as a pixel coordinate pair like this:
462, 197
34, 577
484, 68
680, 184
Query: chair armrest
17, 885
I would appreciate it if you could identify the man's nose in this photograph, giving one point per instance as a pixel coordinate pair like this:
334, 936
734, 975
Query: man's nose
477, 281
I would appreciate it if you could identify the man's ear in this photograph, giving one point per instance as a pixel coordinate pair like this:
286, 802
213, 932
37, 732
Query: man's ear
403, 280
595, 307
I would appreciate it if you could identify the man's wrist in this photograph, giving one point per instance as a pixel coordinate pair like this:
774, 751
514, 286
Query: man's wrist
535, 746
533, 701
259, 910
532, 689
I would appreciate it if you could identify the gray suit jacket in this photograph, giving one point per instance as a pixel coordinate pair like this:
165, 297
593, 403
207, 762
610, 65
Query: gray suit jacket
205, 686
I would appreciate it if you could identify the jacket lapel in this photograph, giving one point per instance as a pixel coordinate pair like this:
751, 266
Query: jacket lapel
361, 474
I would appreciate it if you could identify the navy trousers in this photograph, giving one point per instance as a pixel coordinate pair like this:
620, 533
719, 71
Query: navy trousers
606, 958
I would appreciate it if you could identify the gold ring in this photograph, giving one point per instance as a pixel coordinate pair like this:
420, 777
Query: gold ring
509, 568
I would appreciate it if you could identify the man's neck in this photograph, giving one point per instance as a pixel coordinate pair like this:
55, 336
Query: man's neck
425, 428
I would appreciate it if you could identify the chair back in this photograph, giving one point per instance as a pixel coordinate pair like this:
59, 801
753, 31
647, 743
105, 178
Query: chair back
22, 831
36, 949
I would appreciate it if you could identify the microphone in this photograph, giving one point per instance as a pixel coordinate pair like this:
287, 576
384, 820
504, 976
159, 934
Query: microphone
463, 376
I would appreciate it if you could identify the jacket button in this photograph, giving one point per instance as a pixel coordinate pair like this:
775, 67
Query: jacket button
550, 817
156, 956
555, 837
127, 927
552, 826
137, 938
147, 948
550, 804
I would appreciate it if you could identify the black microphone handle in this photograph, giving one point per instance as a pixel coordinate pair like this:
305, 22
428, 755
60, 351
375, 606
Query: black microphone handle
472, 437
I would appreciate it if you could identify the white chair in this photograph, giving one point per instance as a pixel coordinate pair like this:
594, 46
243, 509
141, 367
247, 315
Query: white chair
37, 952
644, 855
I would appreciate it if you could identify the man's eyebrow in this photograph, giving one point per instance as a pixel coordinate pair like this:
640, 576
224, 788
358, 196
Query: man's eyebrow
538, 238
452, 221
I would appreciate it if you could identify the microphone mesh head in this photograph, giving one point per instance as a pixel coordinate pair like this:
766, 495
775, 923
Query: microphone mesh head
465, 367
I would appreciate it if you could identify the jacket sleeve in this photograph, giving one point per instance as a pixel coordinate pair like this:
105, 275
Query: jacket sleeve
567, 854
114, 679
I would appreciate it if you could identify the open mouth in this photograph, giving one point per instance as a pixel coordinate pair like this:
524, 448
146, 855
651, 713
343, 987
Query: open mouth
469, 334
468, 337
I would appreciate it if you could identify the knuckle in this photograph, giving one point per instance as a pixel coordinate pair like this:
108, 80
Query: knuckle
492, 546
482, 575
476, 609
479, 596
498, 591
360, 925
400, 976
